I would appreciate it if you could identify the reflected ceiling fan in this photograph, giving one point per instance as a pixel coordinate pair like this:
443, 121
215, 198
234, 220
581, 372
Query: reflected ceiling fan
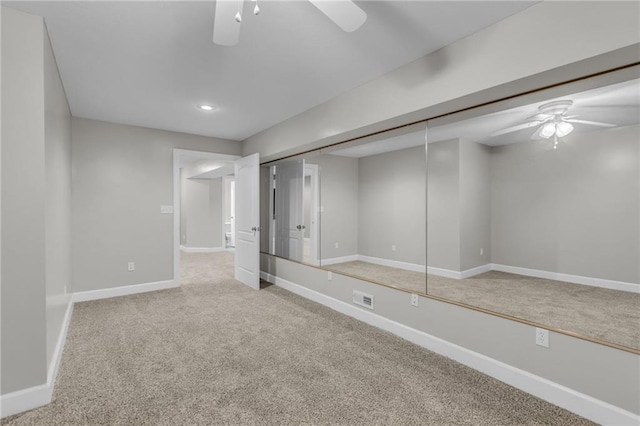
226, 27
552, 121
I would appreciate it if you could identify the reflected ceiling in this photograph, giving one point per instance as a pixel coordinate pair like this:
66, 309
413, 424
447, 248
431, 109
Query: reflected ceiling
617, 104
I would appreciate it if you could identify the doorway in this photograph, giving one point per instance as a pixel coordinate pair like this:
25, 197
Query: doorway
203, 206
210, 190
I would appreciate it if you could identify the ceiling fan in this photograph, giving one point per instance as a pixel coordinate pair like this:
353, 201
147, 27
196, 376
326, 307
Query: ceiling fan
226, 27
551, 121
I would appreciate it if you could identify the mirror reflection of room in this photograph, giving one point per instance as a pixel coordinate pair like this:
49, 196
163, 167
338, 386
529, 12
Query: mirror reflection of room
290, 208
373, 207
533, 210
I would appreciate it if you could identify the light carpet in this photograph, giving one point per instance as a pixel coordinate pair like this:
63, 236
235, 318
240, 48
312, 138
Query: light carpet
221, 353
600, 313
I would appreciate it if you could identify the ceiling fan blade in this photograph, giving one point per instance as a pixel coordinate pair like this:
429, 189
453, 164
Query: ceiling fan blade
226, 30
518, 127
344, 13
591, 123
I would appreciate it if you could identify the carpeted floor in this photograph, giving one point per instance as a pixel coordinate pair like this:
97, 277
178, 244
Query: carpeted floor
218, 352
609, 315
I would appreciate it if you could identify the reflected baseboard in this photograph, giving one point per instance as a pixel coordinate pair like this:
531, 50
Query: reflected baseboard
201, 249
575, 279
537, 273
343, 259
393, 263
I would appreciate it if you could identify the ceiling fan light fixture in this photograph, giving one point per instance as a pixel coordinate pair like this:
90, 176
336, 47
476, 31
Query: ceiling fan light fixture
563, 129
548, 130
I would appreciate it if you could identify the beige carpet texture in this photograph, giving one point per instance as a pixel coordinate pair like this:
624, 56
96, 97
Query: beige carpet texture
599, 313
215, 352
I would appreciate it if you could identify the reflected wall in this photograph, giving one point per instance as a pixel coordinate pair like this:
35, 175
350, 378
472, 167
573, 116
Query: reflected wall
538, 226
373, 209
358, 209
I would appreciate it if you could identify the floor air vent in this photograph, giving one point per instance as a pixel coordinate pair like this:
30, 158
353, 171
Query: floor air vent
362, 299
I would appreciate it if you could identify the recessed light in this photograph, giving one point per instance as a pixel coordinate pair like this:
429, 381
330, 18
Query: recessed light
206, 107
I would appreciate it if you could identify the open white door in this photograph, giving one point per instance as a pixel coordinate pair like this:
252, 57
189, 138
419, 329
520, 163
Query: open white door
290, 210
247, 221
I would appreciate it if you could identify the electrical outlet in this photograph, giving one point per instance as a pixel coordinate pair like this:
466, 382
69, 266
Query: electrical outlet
131, 266
481, 251
542, 337
414, 300
166, 209
337, 245
329, 276
393, 248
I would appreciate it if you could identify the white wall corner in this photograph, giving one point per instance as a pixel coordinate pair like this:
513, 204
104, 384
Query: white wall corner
38, 396
562, 396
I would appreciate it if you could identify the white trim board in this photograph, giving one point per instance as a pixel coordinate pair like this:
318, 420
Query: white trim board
562, 396
393, 263
201, 249
575, 279
343, 259
37, 396
568, 278
124, 290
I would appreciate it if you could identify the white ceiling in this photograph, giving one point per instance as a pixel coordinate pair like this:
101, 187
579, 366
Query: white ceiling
150, 63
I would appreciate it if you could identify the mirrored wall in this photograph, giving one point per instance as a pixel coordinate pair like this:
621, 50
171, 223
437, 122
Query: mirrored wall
358, 208
528, 208
534, 209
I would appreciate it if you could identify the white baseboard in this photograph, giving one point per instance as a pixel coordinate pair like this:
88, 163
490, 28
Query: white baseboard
447, 273
468, 273
267, 277
562, 396
125, 290
393, 263
201, 249
334, 260
575, 279
37, 396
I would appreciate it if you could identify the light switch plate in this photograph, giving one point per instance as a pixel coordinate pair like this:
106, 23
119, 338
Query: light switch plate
166, 209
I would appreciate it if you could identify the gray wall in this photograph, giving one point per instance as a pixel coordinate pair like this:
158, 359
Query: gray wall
602, 372
201, 214
466, 73
572, 210
475, 205
443, 220
392, 205
36, 202
469, 72
121, 176
339, 206
24, 332
57, 133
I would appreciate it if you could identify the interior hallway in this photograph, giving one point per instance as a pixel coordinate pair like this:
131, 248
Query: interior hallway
218, 352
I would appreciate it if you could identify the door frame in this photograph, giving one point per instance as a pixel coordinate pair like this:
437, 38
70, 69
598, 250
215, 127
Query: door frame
178, 155
312, 170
